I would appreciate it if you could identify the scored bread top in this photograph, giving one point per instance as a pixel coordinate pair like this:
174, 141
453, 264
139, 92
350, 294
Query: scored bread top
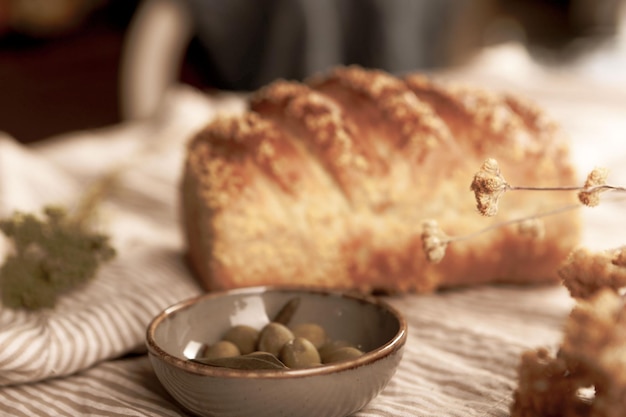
327, 182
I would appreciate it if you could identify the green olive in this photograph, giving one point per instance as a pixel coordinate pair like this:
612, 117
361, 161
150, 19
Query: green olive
331, 346
221, 349
314, 333
272, 338
244, 337
277, 346
343, 354
299, 353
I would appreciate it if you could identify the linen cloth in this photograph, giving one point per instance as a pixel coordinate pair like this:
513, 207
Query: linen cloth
86, 356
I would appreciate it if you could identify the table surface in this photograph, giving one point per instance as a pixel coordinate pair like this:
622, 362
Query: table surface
463, 346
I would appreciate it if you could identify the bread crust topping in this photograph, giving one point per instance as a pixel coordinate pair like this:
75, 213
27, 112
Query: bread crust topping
327, 182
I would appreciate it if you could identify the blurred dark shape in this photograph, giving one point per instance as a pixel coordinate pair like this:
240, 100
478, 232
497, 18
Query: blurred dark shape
44, 18
244, 44
61, 77
60, 72
555, 24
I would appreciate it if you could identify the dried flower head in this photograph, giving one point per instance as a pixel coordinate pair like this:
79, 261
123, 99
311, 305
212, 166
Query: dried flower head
591, 355
533, 228
547, 387
51, 256
620, 257
585, 273
434, 241
590, 195
488, 186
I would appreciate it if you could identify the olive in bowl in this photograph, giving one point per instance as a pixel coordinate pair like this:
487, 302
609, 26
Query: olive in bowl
179, 336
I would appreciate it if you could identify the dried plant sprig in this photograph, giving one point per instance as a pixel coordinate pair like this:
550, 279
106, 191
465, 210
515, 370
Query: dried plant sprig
63, 251
547, 387
489, 186
434, 241
52, 255
532, 227
594, 185
88, 204
590, 356
585, 273
590, 196
55, 253
592, 352
620, 258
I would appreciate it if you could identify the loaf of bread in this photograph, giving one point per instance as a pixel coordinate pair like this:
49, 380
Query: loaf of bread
326, 183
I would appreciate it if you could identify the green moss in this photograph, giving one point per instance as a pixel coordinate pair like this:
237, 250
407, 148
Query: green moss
52, 255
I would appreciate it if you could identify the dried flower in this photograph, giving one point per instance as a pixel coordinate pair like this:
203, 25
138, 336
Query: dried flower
51, 256
434, 241
592, 352
590, 356
585, 273
532, 227
620, 257
488, 186
590, 195
546, 388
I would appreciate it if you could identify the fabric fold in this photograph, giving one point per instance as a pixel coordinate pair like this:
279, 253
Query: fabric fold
105, 318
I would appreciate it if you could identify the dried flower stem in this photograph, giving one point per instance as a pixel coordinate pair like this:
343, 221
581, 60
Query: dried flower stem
435, 241
513, 221
94, 195
489, 186
525, 188
597, 188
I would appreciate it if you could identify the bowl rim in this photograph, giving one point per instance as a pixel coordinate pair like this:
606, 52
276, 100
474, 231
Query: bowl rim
394, 344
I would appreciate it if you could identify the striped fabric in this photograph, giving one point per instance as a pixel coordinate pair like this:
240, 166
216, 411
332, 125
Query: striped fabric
86, 356
105, 320
460, 361
108, 317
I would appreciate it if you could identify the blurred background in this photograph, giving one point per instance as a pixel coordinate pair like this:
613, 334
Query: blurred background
68, 65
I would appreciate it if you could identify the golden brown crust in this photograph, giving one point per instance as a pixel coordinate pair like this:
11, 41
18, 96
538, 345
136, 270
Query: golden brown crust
327, 183
317, 124
416, 128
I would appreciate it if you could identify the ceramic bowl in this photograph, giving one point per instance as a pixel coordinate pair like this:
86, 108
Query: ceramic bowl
339, 389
